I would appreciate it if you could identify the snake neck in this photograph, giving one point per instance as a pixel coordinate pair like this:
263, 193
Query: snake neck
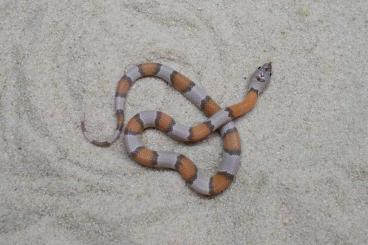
246, 105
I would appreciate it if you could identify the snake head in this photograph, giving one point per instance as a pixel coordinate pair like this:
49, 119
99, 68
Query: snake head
261, 78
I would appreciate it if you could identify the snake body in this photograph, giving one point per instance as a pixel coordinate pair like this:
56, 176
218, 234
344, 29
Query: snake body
218, 119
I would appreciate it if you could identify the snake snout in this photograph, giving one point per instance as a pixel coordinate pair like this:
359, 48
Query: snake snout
261, 78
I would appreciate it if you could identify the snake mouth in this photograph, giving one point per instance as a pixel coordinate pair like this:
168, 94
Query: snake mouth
267, 69
268, 66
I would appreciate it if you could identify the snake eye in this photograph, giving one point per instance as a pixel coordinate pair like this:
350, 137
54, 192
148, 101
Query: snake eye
258, 78
259, 68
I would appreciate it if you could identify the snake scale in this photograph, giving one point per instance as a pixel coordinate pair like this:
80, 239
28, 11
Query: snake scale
218, 119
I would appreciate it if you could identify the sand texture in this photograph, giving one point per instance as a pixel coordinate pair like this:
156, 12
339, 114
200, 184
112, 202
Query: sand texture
304, 173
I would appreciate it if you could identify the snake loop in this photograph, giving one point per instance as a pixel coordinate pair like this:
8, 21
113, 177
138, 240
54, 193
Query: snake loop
218, 119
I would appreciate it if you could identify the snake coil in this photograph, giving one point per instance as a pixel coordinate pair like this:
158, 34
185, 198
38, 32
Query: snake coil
218, 119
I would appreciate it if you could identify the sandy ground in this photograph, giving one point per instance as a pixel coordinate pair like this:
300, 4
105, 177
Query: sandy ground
304, 174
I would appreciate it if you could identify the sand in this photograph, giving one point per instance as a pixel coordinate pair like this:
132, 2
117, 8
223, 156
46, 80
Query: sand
304, 174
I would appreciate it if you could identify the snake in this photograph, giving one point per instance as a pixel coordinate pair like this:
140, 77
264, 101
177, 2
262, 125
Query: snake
218, 119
